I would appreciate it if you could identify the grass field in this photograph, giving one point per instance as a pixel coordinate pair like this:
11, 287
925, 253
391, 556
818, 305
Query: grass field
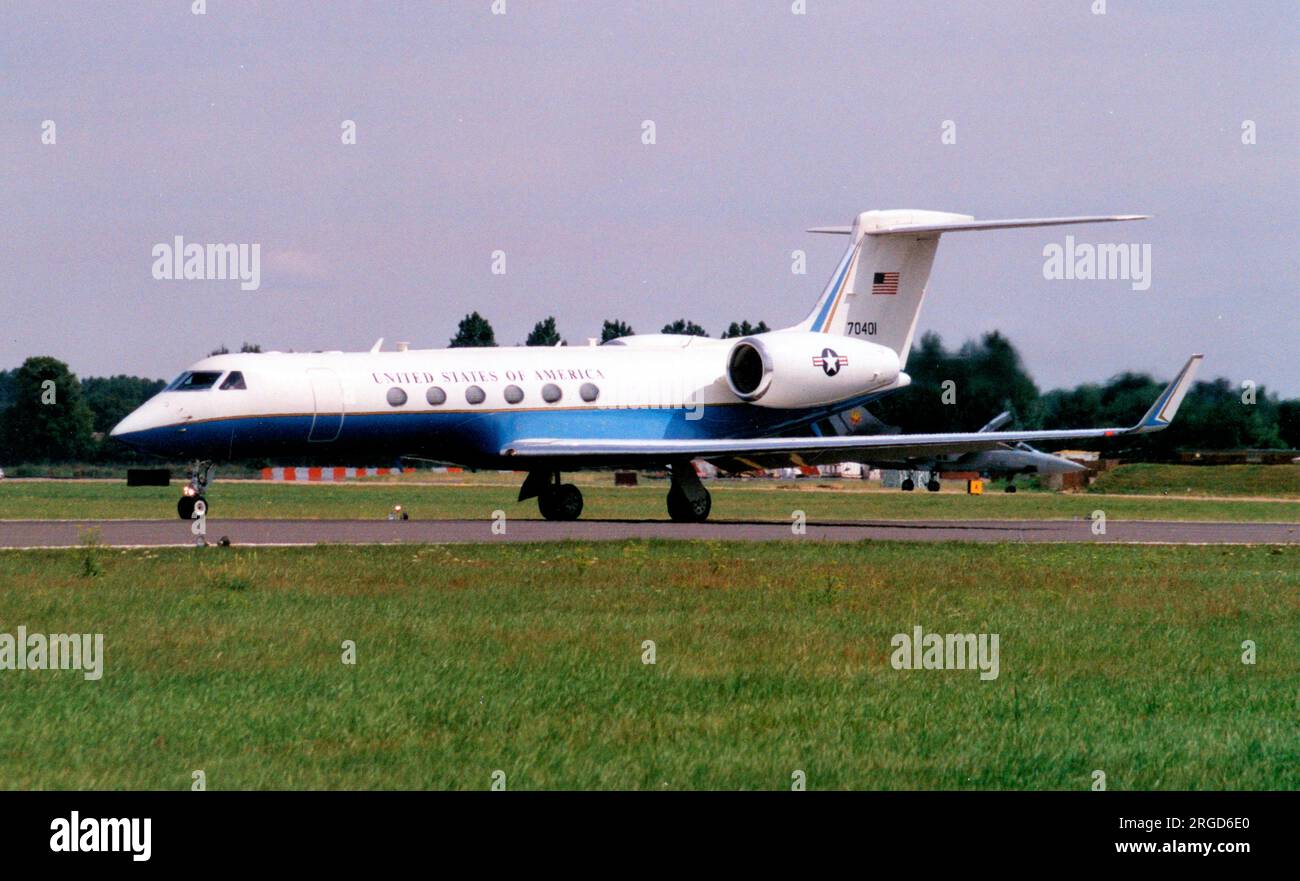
771, 658
1277, 481
477, 496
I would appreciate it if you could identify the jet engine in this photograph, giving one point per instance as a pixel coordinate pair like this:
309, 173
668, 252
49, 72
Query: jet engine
800, 369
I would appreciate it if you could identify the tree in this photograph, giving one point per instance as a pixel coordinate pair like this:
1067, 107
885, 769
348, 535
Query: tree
244, 349
744, 328
682, 326
6, 388
111, 398
544, 333
1212, 416
48, 418
996, 379
1288, 422
962, 390
474, 331
612, 329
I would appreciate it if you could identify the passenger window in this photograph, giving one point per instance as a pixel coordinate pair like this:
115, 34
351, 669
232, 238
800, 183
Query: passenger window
396, 397
235, 380
514, 394
475, 395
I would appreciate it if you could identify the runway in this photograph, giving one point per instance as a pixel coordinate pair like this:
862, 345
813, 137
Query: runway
270, 533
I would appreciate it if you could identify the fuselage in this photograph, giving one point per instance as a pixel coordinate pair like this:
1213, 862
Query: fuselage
458, 405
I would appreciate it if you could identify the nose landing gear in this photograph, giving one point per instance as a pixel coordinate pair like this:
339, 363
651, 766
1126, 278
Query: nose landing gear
192, 500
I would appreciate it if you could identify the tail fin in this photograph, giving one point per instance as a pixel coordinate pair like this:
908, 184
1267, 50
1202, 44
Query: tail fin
876, 290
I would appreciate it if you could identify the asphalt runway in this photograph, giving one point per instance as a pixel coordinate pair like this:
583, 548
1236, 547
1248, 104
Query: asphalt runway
246, 533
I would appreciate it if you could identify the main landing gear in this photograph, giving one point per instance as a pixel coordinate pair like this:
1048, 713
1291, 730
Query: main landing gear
909, 483
555, 500
192, 500
688, 500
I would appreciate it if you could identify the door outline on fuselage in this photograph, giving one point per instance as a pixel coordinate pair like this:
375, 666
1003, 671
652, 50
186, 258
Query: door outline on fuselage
327, 404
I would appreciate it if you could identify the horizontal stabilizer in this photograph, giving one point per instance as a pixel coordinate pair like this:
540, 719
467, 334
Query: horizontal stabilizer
962, 226
967, 225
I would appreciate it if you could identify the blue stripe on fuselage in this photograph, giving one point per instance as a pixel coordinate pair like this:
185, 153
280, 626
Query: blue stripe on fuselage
469, 438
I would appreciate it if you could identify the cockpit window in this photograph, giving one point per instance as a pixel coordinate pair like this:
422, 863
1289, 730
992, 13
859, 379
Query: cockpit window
234, 380
195, 381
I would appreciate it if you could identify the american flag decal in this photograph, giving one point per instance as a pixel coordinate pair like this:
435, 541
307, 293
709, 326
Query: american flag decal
884, 283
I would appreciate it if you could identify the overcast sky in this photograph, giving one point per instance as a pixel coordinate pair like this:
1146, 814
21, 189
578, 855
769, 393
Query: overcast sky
523, 132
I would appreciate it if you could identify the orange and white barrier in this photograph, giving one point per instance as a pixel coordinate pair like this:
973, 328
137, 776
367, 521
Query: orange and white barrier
326, 474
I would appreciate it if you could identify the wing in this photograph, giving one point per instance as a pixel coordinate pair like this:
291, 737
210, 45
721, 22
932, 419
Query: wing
749, 453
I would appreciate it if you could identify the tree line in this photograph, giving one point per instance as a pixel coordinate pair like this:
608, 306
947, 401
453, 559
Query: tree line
474, 330
47, 414
962, 389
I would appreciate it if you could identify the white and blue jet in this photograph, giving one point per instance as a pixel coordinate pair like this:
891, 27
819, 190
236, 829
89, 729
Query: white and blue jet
645, 401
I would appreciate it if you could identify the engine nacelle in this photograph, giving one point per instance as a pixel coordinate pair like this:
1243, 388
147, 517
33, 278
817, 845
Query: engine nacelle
799, 369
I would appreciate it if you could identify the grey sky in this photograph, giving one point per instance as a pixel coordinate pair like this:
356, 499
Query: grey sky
522, 132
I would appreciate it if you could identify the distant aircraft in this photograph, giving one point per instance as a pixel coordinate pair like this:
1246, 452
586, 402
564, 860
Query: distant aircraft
649, 401
1007, 460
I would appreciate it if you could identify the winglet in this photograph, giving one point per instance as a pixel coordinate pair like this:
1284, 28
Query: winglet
1162, 412
997, 421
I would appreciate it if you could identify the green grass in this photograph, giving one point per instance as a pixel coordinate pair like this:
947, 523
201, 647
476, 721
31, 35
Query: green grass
477, 496
1278, 481
770, 658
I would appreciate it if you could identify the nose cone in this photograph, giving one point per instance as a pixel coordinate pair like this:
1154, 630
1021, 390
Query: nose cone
135, 422
140, 426
1049, 464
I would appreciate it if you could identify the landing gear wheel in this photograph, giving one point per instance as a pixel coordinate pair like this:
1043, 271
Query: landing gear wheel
185, 506
907, 485
1011, 487
932, 485
560, 501
192, 500
682, 509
